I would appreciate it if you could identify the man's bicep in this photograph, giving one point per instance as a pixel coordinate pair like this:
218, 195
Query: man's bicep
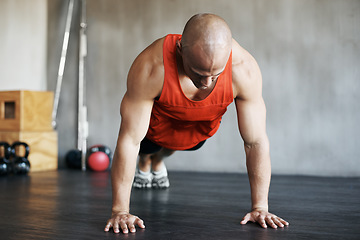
135, 117
142, 88
251, 116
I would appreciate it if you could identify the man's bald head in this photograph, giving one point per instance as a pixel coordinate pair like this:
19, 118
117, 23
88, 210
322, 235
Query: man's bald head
209, 31
205, 48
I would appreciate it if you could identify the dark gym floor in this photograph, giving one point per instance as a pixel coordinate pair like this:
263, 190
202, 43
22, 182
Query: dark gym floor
75, 205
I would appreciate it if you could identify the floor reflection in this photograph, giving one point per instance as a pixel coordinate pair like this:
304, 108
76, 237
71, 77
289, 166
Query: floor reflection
34, 195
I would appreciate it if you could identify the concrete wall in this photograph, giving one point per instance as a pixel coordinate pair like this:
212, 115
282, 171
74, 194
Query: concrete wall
308, 52
23, 34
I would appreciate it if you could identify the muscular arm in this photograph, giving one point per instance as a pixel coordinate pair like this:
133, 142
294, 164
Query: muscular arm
251, 121
135, 116
251, 113
143, 85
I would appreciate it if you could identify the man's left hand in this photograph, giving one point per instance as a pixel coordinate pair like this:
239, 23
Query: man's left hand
264, 218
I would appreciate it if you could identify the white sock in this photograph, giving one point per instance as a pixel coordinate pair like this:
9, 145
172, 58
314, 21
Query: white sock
144, 173
161, 173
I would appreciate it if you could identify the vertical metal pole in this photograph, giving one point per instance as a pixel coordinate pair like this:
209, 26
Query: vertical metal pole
82, 110
62, 61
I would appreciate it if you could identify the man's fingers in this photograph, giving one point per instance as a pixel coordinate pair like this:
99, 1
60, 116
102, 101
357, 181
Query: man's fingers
262, 222
245, 219
278, 222
284, 222
270, 222
139, 222
264, 219
116, 227
132, 227
124, 227
107, 227
124, 223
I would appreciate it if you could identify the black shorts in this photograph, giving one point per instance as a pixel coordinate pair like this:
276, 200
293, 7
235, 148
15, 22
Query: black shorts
149, 147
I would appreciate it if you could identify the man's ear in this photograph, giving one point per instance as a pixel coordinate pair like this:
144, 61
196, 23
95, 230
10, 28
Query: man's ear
178, 46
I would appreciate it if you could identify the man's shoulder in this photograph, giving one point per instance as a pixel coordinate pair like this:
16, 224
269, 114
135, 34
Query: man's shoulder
147, 70
150, 58
245, 71
154, 51
240, 56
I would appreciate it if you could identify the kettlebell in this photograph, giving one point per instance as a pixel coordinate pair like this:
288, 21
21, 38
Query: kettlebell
5, 164
21, 165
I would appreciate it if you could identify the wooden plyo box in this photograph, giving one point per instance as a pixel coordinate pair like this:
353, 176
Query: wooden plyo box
43, 147
26, 110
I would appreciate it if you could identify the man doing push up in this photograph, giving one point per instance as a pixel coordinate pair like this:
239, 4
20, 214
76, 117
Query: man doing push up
178, 89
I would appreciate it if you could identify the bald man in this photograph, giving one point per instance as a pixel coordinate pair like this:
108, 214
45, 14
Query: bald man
178, 88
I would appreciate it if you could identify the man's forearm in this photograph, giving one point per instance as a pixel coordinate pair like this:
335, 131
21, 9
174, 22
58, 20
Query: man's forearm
122, 174
259, 172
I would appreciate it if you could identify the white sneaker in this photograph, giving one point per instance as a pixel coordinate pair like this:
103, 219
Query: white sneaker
160, 179
142, 179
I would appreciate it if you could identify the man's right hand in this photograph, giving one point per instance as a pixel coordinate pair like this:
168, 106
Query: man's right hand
125, 221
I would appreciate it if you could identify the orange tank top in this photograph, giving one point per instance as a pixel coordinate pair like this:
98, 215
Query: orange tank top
178, 122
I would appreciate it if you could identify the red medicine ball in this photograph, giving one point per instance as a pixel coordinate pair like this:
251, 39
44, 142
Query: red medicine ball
99, 158
98, 161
